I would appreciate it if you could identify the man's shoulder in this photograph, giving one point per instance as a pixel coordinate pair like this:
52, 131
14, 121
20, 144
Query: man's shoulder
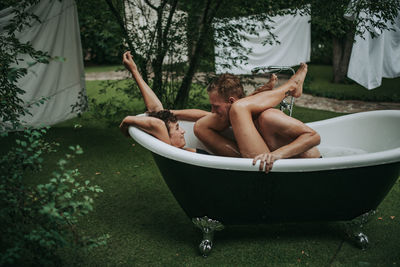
215, 122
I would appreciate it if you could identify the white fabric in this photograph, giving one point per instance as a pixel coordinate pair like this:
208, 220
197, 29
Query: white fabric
294, 34
374, 58
62, 82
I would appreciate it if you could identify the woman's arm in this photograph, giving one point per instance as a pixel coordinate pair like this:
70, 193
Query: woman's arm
150, 125
150, 99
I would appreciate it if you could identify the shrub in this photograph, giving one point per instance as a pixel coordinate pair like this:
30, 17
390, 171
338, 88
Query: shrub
39, 220
36, 220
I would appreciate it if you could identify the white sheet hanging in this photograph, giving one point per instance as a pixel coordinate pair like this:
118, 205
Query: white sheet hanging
294, 34
62, 82
372, 59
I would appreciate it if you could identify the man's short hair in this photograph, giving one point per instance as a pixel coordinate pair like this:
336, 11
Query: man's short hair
227, 85
165, 115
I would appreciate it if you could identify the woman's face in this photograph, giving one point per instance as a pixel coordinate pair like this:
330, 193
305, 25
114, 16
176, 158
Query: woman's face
176, 135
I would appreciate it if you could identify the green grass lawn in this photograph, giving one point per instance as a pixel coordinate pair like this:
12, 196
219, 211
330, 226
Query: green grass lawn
320, 77
105, 68
148, 228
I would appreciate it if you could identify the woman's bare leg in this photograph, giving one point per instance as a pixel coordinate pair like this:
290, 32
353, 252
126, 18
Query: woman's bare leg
241, 114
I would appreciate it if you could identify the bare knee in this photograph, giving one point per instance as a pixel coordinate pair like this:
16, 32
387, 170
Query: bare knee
238, 109
267, 116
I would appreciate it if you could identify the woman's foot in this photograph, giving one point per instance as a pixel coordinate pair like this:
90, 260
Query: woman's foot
272, 81
298, 80
268, 86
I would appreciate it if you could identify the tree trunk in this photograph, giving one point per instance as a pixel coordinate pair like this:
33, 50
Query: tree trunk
207, 17
157, 62
162, 47
341, 56
183, 93
141, 62
157, 80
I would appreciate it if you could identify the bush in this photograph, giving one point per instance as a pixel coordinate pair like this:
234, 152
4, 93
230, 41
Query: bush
119, 98
36, 220
39, 220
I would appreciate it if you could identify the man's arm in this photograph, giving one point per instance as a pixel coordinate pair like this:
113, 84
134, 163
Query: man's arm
208, 129
190, 114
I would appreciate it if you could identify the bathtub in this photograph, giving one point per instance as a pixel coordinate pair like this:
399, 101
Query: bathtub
360, 164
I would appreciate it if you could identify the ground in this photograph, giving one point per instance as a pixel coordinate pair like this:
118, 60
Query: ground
306, 100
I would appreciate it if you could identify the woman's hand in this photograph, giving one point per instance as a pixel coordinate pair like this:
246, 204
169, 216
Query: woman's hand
267, 159
128, 62
124, 128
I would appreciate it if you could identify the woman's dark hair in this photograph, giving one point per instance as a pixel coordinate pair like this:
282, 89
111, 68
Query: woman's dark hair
165, 115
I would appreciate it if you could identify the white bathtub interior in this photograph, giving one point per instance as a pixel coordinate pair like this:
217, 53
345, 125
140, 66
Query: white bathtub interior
343, 136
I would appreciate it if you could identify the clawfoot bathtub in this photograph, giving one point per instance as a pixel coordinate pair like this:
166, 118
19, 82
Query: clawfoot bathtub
360, 164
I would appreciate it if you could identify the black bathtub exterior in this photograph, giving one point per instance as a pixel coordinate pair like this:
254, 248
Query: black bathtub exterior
247, 197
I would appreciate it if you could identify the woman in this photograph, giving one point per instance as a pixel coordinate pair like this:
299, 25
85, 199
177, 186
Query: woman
163, 124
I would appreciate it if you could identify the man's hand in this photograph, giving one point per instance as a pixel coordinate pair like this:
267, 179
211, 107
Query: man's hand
267, 160
128, 62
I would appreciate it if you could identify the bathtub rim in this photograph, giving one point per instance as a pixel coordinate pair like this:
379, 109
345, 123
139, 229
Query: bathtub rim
284, 165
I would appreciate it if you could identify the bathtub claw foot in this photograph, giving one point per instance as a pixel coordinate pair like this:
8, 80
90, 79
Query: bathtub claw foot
208, 227
354, 230
361, 240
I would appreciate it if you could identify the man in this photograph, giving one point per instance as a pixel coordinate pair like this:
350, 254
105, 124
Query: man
261, 132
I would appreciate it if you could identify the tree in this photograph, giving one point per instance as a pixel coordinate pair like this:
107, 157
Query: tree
159, 46
102, 41
328, 17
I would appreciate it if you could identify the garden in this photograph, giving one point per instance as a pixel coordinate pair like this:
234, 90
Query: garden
79, 193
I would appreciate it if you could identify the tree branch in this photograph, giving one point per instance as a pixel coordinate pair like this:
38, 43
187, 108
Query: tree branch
139, 59
150, 4
208, 16
169, 21
121, 24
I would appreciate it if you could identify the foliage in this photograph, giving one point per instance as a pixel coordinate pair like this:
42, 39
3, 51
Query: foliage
330, 16
119, 98
339, 21
112, 108
102, 41
12, 67
321, 45
36, 221
171, 37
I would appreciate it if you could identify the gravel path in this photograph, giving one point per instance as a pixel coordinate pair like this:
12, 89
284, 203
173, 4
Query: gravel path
306, 100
